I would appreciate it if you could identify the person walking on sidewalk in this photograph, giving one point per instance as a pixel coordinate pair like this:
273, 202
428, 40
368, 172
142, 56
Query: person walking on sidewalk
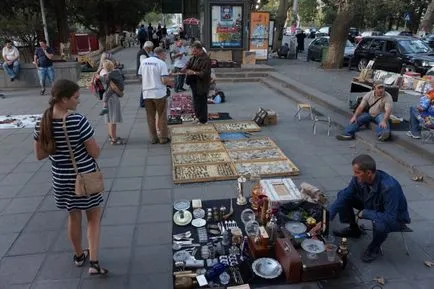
378, 197
376, 106
43, 61
180, 55
198, 70
49, 141
155, 74
11, 56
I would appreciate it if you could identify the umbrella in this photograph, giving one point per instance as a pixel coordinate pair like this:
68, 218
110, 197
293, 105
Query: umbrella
191, 21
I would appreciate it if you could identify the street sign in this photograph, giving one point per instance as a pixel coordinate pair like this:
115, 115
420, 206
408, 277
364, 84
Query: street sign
407, 17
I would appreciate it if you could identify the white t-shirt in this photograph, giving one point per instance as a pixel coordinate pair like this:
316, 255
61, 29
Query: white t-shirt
9, 54
180, 62
152, 69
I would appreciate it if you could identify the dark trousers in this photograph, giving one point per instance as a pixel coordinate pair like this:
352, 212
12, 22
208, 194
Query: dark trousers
179, 79
380, 229
200, 104
142, 42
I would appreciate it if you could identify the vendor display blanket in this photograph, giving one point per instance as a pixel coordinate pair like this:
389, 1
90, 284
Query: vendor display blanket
19, 121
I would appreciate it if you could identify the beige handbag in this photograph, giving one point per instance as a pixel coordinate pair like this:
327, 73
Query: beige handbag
88, 183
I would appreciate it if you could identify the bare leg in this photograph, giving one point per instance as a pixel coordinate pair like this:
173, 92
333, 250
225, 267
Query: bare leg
93, 231
113, 130
74, 231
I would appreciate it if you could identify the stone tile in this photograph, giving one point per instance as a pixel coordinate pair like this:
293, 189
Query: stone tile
109, 162
155, 213
154, 234
131, 171
119, 215
322, 172
6, 240
150, 281
156, 196
157, 160
424, 283
20, 269
47, 221
163, 170
4, 203
23, 205
113, 282
158, 151
56, 284
124, 198
19, 286
63, 244
41, 177
424, 208
48, 204
157, 182
32, 243
7, 168
152, 259
195, 192
134, 160
127, 184
115, 260
332, 183
28, 167
109, 173
59, 266
10, 191
36, 189
117, 236
13, 223
16, 179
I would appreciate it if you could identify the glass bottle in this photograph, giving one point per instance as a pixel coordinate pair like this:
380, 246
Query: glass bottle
255, 191
271, 229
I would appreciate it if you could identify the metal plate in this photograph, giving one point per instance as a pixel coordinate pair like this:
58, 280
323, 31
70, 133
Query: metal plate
181, 256
182, 221
267, 268
313, 246
199, 213
181, 205
295, 227
198, 223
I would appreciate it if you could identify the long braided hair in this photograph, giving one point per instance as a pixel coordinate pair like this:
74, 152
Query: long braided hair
61, 89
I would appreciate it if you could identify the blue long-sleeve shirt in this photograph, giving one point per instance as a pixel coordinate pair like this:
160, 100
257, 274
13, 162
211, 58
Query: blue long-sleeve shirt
383, 201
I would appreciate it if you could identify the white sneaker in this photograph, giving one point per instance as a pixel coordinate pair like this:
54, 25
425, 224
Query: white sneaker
410, 134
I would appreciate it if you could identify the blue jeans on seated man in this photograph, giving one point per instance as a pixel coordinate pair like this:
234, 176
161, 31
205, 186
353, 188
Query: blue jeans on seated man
380, 229
44, 73
364, 119
12, 70
415, 123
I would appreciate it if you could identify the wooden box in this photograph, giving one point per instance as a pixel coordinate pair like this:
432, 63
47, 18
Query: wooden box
258, 250
271, 118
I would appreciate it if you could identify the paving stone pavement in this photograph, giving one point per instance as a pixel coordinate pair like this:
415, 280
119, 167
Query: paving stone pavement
136, 223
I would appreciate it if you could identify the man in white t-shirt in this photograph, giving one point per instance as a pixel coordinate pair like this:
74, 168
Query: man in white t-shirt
155, 74
11, 56
180, 62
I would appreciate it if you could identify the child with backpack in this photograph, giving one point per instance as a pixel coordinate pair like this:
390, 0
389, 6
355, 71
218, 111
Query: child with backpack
115, 83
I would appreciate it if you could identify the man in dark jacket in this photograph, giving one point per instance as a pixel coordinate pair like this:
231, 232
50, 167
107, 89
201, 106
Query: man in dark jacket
378, 197
198, 71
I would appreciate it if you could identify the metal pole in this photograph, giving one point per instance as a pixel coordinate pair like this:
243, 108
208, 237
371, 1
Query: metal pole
44, 21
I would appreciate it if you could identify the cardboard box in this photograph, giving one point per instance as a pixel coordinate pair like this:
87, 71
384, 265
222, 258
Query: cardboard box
271, 118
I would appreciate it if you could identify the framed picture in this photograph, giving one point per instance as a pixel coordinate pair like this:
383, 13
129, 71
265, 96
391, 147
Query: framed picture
226, 26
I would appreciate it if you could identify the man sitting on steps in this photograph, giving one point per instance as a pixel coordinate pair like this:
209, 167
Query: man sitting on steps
376, 106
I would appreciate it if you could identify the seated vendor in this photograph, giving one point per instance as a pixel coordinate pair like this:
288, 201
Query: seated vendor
378, 197
283, 51
217, 97
422, 115
376, 106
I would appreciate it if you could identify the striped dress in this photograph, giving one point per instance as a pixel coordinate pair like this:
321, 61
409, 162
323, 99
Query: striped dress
79, 130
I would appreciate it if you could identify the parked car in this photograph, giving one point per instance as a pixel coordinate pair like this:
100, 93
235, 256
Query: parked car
352, 34
323, 31
394, 53
398, 33
365, 34
310, 32
315, 48
429, 39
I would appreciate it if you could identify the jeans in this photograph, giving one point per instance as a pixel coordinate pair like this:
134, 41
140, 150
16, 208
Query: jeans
179, 79
153, 108
380, 228
44, 73
414, 122
12, 71
364, 119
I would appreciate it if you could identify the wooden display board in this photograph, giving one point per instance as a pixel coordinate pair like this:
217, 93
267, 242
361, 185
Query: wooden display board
281, 168
203, 173
196, 137
200, 158
250, 144
256, 155
237, 126
197, 147
188, 129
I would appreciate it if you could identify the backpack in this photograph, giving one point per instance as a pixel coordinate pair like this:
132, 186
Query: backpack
97, 87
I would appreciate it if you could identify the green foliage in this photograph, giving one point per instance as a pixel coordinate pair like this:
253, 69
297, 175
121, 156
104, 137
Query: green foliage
307, 10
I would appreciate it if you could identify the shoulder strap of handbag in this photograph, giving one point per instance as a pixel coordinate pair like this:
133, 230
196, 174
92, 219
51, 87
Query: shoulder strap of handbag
116, 89
371, 105
71, 153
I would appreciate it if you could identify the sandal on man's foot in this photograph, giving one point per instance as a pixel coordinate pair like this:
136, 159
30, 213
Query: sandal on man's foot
95, 269
80, 260
116, 141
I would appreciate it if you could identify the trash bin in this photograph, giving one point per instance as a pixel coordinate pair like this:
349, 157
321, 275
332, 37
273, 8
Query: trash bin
324, 52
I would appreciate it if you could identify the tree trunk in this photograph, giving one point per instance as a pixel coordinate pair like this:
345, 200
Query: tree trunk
428, 19
338, 37
279, 23
62, 29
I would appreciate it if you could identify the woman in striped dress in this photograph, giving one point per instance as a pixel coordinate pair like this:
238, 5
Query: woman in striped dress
50, 142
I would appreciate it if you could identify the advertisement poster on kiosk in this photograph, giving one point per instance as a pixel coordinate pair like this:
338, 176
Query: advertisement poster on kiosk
226, 26
259, 34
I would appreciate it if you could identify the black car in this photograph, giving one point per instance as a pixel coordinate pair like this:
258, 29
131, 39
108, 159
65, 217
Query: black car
314, 51
394, 53
429, 40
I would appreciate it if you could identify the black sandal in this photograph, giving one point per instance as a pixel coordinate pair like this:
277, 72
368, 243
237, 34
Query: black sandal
117, 141
95, 269
80, 260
